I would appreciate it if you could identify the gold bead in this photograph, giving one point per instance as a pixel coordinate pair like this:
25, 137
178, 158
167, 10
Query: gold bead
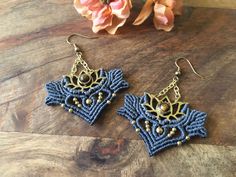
108, 102
179, 143
159, 130
100, 93
169, 135
98, 101
187, 137
76, 102
79, 105
164, 107
177, 73
174, 129
146, 122
133, 122
147, 126
84, 78
99, 97
172, 133
70, 110
137, 130
74, 99
88, 101
62, 105
113, 94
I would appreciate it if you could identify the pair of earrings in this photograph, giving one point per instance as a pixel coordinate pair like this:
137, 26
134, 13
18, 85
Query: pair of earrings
160, 122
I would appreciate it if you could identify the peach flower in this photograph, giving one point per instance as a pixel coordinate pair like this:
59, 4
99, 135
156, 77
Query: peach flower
164, 12
106, 15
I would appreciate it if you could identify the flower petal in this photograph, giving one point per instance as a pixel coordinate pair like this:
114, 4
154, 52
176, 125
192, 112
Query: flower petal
163, 18
102, 19
92, 4
121, 8
83, 10
116, 23
169, 3
145, 13
100, 16
175, 5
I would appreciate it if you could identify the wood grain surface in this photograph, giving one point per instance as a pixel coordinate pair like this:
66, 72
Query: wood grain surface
33, 52
63, 156
227, 4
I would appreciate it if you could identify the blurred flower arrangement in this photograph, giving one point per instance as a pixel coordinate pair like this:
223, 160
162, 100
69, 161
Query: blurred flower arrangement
109, 15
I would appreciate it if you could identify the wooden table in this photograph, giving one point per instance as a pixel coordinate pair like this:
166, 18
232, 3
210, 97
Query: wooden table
37, 140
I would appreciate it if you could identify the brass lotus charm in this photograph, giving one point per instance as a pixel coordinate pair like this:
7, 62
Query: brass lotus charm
84, 81
163, 109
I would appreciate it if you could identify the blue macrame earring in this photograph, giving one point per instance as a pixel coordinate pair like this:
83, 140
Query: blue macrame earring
160, 122
85, 94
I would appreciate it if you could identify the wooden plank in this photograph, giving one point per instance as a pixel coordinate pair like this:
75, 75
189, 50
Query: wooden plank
34, 51
227, 4
62, 156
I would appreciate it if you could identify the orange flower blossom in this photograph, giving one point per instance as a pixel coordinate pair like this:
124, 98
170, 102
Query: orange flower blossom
106, 15
164, 11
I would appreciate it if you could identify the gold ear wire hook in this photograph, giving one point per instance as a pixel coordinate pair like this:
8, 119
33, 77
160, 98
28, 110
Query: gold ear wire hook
76, 47
191, 66
80, 35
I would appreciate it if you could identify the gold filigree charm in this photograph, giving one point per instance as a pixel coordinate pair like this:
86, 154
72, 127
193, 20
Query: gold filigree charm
84, 81
163, 108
